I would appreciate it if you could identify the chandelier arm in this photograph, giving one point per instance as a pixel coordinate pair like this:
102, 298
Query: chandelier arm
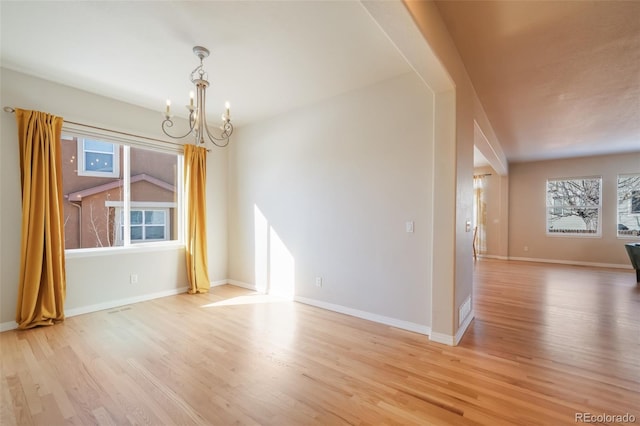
227, 130
169, 123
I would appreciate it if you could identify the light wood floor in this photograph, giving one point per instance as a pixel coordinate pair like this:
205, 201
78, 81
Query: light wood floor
548, 341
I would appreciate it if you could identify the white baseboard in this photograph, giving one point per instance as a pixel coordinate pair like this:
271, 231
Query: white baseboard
493, 256
394, 322
242, 284
447, 339
122, 302
218, 283
9, 325
12, 325
572, 262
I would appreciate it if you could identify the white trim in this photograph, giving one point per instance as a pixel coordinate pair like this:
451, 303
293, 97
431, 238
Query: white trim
123, 302
572, 262
242, 284
405, 325
217, 283
12, 325
442, 338
9, 325
493, 256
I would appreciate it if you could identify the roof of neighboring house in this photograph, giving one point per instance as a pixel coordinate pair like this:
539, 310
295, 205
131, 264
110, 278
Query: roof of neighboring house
79, 195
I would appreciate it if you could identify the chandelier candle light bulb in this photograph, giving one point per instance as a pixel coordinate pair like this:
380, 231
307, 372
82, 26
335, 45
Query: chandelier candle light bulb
197, 116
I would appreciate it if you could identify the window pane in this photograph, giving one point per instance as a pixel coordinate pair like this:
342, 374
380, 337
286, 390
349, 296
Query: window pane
97, 162
154, 232
98, 146
573, 221
136, 217
154, 183
574, 192
90, 202
136, 233
628, 205
154, 217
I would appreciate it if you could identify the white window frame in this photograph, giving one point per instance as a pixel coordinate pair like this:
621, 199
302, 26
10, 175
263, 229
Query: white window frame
143, 208
555, 206
82, 170
628, 207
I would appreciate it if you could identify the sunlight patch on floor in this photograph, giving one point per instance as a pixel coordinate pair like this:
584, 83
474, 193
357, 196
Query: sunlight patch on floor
248, 300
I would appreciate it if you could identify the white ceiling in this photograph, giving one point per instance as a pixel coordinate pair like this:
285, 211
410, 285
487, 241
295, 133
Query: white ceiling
556, 78
267, 57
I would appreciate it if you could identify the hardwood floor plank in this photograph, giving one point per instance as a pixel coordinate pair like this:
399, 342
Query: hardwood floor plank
20, 404
50, 414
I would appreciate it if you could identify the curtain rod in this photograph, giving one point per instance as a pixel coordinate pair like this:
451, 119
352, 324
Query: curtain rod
12, 110
484, 175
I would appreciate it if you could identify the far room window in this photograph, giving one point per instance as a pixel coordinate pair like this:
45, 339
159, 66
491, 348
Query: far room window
98, 158
628, 205
574, 206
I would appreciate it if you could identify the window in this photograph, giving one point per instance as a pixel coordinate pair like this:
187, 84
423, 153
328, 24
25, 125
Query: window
98, 158
629, 205
117, 194
145, 225
574, 206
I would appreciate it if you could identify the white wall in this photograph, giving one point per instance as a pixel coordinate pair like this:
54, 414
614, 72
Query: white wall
95, 281
334, 184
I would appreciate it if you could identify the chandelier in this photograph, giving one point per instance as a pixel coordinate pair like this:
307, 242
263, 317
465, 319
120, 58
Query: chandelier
197, 117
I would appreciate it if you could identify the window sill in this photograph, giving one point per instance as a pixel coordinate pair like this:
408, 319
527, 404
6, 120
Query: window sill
114, 251
568, 235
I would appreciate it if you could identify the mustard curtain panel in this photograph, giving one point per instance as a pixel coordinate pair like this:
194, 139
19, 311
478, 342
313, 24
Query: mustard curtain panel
195, 174
42, 286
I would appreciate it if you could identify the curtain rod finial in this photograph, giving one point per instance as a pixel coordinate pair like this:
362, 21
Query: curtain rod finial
9, 109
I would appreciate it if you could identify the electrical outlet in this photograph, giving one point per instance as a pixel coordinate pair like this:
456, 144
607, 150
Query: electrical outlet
133, 278
318, 281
